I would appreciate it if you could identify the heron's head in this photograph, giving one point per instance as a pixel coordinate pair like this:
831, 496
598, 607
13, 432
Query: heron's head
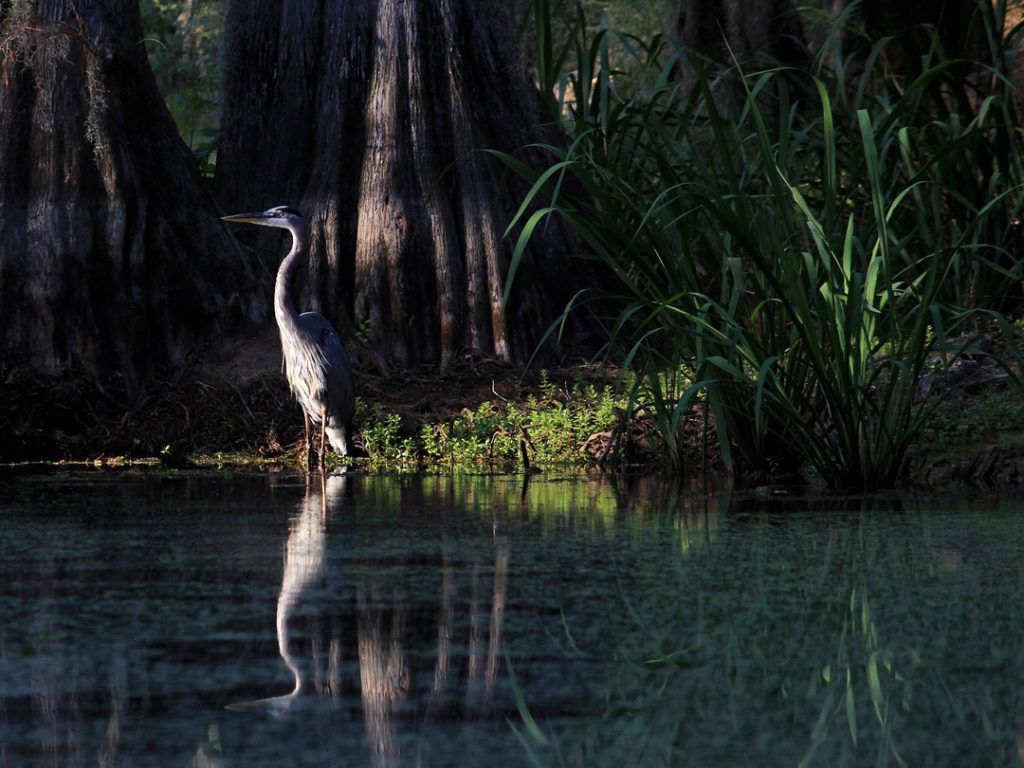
282, 216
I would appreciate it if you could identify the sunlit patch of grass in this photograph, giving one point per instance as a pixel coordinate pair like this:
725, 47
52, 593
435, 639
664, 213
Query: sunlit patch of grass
237, 459
116, 462
550, 428
384, 442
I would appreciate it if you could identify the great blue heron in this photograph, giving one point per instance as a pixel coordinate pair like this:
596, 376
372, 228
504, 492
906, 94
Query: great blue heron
315, 361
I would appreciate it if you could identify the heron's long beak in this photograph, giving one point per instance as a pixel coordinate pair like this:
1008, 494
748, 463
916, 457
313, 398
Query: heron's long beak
247, 218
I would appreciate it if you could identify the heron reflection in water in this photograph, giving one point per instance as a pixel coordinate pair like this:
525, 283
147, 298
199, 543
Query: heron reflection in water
386, 674
304, 568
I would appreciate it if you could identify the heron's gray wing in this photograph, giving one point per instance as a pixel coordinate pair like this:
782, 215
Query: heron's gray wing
340, 392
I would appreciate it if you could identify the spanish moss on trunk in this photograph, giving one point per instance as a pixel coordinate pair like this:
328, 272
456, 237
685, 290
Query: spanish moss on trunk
372, 116
112, 260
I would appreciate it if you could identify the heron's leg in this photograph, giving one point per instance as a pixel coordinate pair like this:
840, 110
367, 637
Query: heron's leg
323, 434
309, 446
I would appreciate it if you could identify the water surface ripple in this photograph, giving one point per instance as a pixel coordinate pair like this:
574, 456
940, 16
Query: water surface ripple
492, 621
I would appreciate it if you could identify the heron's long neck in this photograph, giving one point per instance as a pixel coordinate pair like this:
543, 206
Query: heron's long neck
284, 306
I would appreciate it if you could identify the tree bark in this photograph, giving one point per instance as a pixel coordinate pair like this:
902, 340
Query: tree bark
372, 114
112, 259
766, 31
907, 22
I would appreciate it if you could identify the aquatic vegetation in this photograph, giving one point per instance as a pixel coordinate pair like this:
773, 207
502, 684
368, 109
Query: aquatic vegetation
793, 249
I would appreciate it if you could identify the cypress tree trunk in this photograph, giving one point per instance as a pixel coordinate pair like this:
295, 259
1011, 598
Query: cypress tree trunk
112, 259
763, 30
372, 114
951, 20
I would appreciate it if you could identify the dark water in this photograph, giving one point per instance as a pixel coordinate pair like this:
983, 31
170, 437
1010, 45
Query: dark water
256, 621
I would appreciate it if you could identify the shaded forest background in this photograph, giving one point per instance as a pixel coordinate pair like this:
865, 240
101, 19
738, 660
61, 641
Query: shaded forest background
184, 39
127, 130
693, 152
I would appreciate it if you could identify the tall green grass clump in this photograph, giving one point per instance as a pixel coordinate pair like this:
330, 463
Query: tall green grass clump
795, 249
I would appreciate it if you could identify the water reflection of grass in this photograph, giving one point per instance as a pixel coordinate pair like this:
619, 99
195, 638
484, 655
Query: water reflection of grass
616, 505
865, 639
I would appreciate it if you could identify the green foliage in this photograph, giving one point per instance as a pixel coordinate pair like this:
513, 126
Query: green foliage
995, 418
383, 439
182, 40
560, 427
552, 428
481, 437
795, 247
552, 39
